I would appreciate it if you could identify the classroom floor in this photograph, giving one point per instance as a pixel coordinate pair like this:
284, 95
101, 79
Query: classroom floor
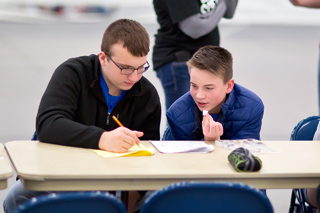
278, 61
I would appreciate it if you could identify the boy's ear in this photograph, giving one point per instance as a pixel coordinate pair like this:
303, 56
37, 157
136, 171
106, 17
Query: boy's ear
102, 58
230, 85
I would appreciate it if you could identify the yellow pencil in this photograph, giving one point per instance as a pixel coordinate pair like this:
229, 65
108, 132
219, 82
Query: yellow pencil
116, 120
120, 124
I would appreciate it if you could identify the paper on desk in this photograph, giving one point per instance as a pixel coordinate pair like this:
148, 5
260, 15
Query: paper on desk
182, 146
134, 151
253, 145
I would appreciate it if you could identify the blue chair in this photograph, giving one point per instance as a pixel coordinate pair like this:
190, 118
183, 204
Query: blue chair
34, 136
195, 197
304, 130
80, 202
167, 136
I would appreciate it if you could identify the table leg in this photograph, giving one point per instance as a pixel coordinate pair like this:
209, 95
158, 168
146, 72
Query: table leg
125, 198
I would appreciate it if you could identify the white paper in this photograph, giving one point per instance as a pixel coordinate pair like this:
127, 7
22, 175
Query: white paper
253, 145
182, 146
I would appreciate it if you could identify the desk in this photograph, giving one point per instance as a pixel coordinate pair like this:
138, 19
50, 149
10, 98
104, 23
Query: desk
5, 168
42, 166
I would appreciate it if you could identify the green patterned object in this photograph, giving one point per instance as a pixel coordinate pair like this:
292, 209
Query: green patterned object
244, 161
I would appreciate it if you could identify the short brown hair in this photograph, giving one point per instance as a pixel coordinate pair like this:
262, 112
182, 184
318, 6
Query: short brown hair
216, 60
131, 33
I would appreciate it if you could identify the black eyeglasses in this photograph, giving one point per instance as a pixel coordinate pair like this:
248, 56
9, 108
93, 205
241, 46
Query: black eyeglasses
129, 71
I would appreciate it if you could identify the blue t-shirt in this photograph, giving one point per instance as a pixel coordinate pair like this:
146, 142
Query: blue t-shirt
111, 100
214, 116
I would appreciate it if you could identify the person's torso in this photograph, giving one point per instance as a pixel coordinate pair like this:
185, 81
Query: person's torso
169, 38
129, 110
234, 115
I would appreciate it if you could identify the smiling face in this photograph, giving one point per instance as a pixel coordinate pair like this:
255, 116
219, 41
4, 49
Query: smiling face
208, 90
112, 74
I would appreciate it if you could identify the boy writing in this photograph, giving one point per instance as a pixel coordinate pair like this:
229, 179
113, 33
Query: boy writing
85, 92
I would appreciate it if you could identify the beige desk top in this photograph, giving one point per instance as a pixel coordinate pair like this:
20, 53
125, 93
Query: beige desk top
43, 166
5, 168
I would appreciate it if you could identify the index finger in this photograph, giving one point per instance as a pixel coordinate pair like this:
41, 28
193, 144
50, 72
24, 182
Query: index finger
207, 119
135, 136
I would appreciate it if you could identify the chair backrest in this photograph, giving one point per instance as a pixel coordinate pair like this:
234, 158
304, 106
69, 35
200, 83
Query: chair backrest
80, 202
195, 197
34, 136
167, 136
305, 129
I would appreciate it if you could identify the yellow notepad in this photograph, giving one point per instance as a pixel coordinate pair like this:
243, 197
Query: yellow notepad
134, 151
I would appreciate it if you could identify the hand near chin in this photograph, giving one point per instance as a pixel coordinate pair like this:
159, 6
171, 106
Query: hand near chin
212, 130
119, 140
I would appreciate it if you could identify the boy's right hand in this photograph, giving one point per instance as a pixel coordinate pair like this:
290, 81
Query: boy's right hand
212, 130
119, 140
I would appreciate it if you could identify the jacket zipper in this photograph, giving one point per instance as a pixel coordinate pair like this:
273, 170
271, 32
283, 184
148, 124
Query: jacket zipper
108, 117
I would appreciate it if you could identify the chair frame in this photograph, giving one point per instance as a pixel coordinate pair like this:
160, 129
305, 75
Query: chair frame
297, 195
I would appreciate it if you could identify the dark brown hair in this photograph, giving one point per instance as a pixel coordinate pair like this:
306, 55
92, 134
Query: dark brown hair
131, 33
216, 60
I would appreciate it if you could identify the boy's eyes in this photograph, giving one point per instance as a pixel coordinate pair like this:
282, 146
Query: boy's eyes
207, 88
129, 67
126, 67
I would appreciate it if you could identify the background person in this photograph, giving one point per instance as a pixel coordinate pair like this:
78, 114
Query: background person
311, 4
185, 26
310, 194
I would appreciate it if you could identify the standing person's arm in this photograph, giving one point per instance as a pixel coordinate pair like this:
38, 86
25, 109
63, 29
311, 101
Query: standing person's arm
201, 24
306, 3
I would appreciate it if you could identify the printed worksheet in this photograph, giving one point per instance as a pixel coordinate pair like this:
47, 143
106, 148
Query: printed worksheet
253, 145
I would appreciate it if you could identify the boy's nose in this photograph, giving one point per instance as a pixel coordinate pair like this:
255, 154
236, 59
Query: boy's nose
134, 76
200, 95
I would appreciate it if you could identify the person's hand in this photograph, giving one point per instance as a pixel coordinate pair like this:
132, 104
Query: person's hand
212, 130
119, 140
306, 3
295, 2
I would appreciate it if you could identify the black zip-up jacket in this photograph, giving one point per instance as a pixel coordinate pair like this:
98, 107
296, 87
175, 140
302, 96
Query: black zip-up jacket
73, 110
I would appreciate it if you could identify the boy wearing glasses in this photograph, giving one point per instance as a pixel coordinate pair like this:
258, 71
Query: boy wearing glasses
85, 92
